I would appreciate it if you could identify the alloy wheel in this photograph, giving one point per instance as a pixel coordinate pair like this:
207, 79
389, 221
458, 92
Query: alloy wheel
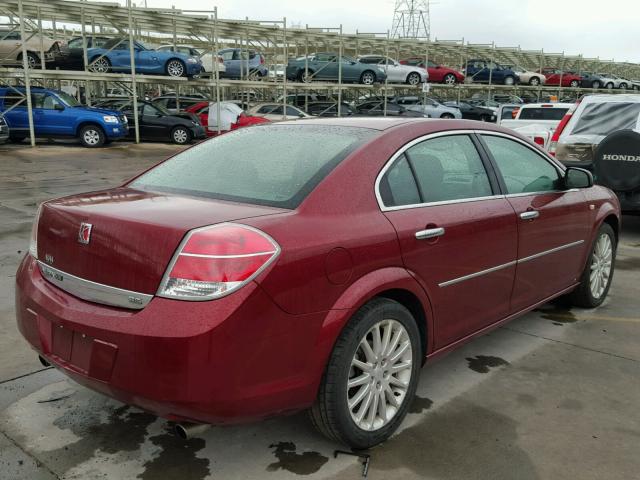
175, 68
180, 136
450, 79
601, 263
380, 375
32, 60
509, 81
414, 79
574, 84
368, 78
91, 137
535, 81
101, 65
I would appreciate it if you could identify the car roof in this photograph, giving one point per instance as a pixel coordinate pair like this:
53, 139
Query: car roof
612, 98
547, 105
374, 123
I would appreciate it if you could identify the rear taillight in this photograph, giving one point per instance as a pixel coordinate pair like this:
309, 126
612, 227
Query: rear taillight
261, 60
539, 141
514, 112
553, 144
33, 242
217, 260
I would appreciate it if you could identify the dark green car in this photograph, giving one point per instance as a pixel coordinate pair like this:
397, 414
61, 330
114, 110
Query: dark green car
325, 66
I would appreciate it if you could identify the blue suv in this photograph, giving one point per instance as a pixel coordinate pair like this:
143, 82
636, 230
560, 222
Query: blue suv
481, 71
57, 114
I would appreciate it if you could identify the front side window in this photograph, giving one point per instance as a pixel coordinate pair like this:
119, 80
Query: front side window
285, 172
522, 169
228, 55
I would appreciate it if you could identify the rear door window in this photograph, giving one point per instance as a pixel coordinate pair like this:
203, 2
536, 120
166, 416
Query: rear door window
605, 118
282, 175
542, 113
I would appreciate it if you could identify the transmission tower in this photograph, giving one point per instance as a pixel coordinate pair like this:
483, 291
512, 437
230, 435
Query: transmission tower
411, 19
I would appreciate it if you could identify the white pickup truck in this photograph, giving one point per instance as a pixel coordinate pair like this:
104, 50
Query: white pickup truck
536, 121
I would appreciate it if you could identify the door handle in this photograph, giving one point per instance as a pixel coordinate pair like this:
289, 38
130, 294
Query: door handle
429, 233
529, 215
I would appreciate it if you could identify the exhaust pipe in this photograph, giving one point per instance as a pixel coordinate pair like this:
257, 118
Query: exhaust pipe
43, 361
185, 431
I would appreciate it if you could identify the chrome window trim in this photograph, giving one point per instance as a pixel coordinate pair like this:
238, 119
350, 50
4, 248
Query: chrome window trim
93, 291
508, 264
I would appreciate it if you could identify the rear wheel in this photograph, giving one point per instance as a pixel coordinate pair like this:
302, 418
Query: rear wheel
596, 278
574, 83
180, 135
623, 86
534, 81
595, 84
413, 78
609, 86
305, 77
449, 79
447, 115
175, 68
92, 136
371, 376
509, 80
33, 60
368, 78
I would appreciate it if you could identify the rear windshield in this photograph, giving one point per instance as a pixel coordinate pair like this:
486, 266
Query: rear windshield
605, 118
273, 165
542, 113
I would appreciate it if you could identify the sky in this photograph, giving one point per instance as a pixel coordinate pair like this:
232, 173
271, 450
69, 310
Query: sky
588, 27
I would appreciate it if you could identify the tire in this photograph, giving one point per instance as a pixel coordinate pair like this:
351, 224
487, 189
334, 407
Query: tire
180, 135
623, 86
92, 136
303, 78
584, 295
368, 78
175, 68
485, 118
413, 78
609, 86
595, 84
574, 84
450, 79
509, 80
534, 81
17, 138
447, 115
331, 414
101, 65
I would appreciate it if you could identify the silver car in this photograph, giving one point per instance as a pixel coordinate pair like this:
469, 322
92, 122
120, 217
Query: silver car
396, 72
429, 106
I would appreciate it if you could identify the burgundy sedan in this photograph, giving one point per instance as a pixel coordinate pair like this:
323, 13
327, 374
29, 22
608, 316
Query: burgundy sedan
223, 285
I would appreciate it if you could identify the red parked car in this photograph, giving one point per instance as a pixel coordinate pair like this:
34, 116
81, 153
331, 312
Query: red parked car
223, 285
201, 109
554, 75
437, 73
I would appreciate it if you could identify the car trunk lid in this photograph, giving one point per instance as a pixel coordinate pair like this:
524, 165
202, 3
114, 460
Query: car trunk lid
133, 234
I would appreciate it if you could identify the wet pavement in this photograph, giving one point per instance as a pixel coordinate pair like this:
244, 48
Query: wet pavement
552, 395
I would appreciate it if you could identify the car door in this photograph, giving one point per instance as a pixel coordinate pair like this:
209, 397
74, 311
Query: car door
9, 47
395, 72
457, 233
148, 61
325, 67
153, 122
553, 223
52, 116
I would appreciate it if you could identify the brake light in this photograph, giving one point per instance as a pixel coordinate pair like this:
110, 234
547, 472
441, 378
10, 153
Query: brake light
33, 242
217, 260
514, 112
539, 141
553, 144
261, 60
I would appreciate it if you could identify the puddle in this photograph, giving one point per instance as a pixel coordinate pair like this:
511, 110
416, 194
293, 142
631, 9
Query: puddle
420, 404
304, 463
558, 315
177, 460
483, 363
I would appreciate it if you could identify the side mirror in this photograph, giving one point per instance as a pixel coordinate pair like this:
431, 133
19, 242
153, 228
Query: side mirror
577, 178
58, 107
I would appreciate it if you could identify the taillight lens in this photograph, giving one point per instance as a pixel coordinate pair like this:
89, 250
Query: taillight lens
33, 242
539, 141
553, 144
217, 260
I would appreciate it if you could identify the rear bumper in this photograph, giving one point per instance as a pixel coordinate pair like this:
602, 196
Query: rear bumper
230, 360
199, 132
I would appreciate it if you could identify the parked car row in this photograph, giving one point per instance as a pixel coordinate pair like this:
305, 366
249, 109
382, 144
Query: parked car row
105, 54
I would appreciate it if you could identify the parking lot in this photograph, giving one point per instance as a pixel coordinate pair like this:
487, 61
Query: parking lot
552, 395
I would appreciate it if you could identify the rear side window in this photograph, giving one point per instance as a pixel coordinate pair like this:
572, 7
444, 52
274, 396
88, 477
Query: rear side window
522, 169
542, 113
605, 118
273, 165
449, 168
398, 186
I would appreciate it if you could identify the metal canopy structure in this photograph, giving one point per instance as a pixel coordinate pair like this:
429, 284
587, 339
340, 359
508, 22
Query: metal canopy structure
63, 19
